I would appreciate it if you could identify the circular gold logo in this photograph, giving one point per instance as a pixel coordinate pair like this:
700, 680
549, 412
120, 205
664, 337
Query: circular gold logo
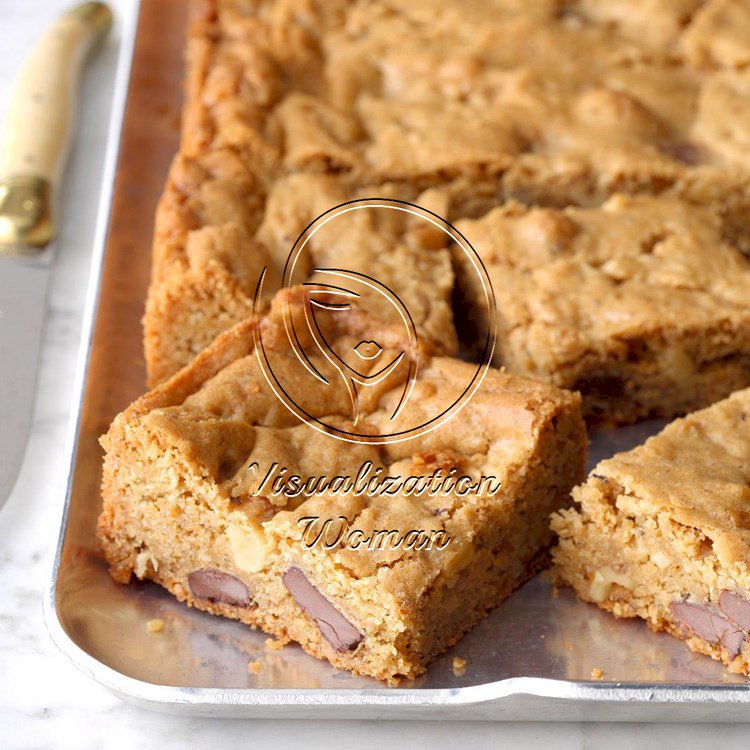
355, 354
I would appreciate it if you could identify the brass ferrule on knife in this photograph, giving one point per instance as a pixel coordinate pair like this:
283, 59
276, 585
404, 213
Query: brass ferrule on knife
25, 214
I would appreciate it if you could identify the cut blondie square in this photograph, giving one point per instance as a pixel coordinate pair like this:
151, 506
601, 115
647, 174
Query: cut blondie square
227, 497
641, 304
662, 532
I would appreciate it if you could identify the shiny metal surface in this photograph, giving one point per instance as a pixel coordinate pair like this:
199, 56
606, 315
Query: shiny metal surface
23, 294
531, 659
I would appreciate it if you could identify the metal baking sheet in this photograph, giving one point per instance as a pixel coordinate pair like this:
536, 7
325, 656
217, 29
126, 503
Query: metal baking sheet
531, 659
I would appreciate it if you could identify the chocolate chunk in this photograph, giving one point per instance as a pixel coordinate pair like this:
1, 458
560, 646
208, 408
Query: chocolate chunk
333, 626
215, 586
733, 642
685, 151
227, 469
736, 608
709, 625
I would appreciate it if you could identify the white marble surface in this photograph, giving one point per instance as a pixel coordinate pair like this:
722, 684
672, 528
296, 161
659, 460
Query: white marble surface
44, 701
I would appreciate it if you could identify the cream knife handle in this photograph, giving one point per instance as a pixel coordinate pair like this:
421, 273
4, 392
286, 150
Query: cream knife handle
40, 123
42, 107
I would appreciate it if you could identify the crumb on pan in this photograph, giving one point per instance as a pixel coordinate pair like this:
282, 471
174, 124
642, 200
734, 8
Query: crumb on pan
255, 667
568, 645
459, 666
274, 644
155, 626
596, 673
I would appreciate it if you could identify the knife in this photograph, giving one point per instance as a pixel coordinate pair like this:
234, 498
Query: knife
33, 150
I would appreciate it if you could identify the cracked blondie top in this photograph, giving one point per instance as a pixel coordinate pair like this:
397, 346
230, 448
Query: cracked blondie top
662, 532
599, 95
294, 106
191, 500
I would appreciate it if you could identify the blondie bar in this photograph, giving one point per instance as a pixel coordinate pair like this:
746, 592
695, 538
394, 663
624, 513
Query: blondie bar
245, 506
641, 304
662, 532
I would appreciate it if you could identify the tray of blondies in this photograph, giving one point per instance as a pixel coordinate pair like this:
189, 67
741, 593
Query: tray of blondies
416, 376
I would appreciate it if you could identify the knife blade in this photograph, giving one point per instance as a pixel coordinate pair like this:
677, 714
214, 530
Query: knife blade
33, 150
